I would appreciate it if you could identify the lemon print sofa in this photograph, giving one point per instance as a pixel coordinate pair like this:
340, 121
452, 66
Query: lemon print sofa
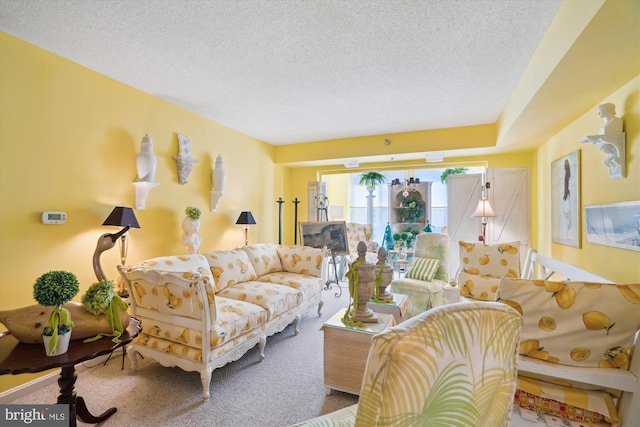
200, 312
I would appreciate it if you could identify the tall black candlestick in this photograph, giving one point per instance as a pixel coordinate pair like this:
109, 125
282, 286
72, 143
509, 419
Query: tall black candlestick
279, 202
295, 221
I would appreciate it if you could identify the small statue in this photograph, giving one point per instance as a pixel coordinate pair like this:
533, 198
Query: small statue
612, 124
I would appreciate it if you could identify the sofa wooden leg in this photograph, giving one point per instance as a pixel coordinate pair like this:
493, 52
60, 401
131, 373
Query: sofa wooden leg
296, 325
263, 343
134, 360
205, 377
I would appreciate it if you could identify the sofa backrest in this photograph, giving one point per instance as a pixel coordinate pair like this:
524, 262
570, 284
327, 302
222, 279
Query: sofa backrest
462, 357
434, 245
264, 257
301, 259
229, 267
358, 233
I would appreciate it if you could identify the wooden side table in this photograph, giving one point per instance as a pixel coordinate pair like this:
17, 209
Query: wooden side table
397, 308
20, 358
346, 350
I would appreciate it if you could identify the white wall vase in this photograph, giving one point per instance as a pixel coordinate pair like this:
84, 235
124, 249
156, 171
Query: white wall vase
61, 346
146, 161
219, 177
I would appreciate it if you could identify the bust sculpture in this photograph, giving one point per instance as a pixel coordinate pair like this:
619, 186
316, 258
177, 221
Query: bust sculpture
612, 124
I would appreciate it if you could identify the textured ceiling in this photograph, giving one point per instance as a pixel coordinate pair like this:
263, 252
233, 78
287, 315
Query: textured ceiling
293, 71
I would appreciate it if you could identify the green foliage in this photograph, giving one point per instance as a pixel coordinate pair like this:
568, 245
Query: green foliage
451, 171
192, 212
372, 179
55, 288
98, 297
396, 236
414, 209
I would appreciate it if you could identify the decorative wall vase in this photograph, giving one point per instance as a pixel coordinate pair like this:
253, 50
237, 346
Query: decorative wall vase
190, 238
61, 347
146, 161
183, 159
219, 177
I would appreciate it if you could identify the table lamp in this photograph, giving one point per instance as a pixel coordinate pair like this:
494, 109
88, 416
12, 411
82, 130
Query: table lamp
119, 217
483, 210
246, 219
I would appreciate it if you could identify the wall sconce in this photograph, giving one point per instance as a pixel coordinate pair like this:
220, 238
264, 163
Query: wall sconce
218, 176
183, 159
246, 219
119, 217
611, 141
146, 166
484, 211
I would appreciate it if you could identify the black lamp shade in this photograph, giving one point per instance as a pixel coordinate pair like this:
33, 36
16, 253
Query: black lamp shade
245, 218
122, 217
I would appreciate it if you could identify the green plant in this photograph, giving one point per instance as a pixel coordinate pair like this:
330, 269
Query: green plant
53, 289
372, 179
101, 299
451, 171
396, 236
192, 212
414, 209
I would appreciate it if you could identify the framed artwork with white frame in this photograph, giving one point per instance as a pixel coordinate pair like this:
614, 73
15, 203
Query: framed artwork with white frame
614, 224
565, 200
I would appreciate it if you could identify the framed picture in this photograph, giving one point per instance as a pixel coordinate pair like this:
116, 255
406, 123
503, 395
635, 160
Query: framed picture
332, 234
565, 200
615, 224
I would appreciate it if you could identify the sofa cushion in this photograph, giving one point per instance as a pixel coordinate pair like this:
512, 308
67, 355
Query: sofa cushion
230, 267
309, 285
264, 258
482, 267
276, 299
301, 259
575, 323
235, 318
423, 268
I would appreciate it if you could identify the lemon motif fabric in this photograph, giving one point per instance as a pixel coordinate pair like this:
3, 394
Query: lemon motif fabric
301, 259
482, 267
230, 267
357, 233
264, 258
575, 323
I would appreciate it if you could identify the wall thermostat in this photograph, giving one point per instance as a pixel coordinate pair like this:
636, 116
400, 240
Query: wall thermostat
54, 217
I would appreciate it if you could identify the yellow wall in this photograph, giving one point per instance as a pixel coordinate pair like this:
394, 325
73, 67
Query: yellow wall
70, 138
619, 265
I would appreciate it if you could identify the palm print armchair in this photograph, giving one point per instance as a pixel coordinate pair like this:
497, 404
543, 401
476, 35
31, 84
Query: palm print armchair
454, 365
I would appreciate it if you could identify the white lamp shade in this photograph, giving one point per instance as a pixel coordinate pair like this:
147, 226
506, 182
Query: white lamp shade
484, 209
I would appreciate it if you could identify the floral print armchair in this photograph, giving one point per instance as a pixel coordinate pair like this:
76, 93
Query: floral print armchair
453, 365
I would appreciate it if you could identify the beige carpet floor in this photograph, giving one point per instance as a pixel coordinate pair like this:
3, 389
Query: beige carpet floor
287, 387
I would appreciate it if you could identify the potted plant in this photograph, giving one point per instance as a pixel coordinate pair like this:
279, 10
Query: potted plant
53, 289
451, 171
101, 299
372, 179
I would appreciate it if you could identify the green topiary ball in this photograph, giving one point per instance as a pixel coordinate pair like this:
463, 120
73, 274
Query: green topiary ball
55, 288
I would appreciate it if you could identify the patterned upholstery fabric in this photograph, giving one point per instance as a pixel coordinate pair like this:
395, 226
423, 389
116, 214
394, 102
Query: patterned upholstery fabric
264, 257
230, 267
423, 295
575, 323
301, 259
358, 233
482, 267
455, 365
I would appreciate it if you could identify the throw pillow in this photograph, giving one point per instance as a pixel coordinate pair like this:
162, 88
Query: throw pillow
423, 268
575, 323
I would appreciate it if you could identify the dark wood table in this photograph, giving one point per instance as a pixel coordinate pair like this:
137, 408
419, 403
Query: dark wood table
20, 358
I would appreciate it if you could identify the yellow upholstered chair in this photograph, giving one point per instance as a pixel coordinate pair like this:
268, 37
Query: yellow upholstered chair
455, 365
357, 233
425, 290
483, 266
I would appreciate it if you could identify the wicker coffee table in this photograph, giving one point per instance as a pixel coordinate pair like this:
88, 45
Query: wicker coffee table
346, 350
